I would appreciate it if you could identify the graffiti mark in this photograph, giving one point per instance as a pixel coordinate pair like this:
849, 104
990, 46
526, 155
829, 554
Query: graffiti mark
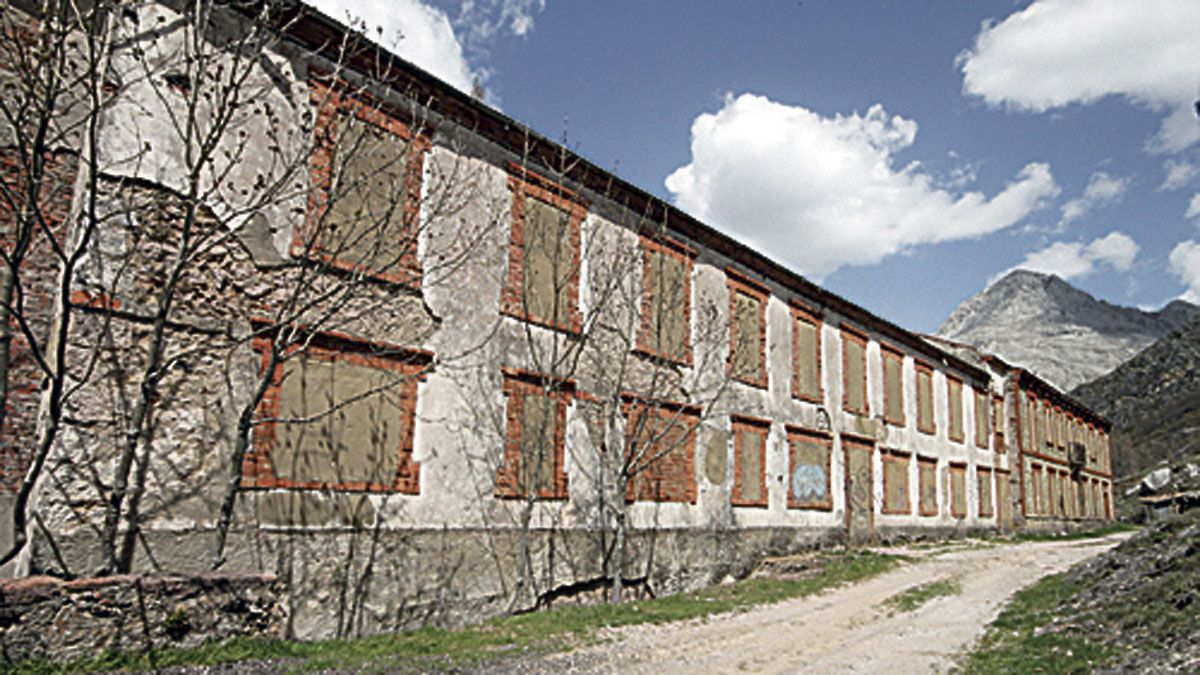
808, 483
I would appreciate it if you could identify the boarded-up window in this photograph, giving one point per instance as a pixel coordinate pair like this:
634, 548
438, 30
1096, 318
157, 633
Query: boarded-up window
999, 424
895, 482
366, 218
366, 170
982, 419
666, 301
809, 479
893, 387
1041, 439
806, 357
984, 477
344, 440
660, 446
927, 476
534, 437
750, 458
1034, 491
925, 419
747, 349
958, 490
1045, 495
854, 372
954, 408
340, 416
543, 273
1027, 423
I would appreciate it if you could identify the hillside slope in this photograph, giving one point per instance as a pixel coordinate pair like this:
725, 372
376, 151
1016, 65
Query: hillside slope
1062, 334
1153, 401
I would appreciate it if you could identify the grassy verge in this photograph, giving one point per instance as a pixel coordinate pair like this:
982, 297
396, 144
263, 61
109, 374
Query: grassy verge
1078, 535
553, 630
1014, 644
915, 597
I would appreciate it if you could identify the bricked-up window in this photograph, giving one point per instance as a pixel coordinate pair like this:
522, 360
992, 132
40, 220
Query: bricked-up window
750, 461
954, 408
984, 477
535, 423
926, 422
665, 327
542, 285
660, 451
365, 170
747, 329
338, 414
983, 427
893, 387
808, 483
854, 372
895, 482
998, 424
927, 485
806, 356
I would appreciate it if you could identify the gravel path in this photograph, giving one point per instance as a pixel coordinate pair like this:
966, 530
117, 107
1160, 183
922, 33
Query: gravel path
848, 629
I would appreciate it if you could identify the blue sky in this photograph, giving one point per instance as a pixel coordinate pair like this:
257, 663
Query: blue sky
903, 154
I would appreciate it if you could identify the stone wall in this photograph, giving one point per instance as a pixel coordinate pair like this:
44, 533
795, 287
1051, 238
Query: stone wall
48, 617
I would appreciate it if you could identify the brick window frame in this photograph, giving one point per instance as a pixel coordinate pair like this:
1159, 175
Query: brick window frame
738, 283
330, 100
983, 475
525, 185
741, 424
1033, 496
819, 438
924, 508
903, 459
958, 469
953, 384
800, 313
658, 244
645, 484
519, 384
852, 335
258, 470
893, 354
926, 370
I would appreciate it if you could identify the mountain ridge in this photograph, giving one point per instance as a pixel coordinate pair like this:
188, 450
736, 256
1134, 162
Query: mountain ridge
1061, 333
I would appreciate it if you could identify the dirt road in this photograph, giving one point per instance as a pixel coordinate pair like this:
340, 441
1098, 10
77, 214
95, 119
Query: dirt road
849, 629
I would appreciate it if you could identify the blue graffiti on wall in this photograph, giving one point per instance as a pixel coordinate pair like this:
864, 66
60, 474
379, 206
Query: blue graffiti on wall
808, 483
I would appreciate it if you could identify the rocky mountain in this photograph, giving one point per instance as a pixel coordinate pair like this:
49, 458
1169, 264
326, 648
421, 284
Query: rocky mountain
1064, 335
1153, 401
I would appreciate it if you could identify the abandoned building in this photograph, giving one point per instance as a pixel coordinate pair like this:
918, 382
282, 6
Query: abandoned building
339, 322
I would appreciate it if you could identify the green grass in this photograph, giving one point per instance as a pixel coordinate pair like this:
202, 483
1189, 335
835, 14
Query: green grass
1078, 535
1013, 644
915, 597
540, 632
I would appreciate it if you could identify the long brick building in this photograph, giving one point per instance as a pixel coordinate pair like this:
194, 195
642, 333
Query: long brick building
423, 364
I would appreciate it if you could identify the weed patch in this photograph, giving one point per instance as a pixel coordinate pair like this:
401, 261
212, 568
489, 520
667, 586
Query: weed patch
914, 598
552, 630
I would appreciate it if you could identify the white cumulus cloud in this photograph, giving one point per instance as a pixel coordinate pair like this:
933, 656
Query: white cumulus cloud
1057, 52
1070, 260
1184, 263
1101, 190
413, 30
820, 192
1179, 174
1193, 209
